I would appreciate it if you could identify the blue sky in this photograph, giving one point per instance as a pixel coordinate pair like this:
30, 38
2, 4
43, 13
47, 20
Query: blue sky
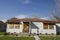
26, 8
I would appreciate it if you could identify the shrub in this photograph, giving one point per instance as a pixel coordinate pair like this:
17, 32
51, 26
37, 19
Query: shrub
12, 33
52, 33
40, 33
6, 33
16, 34
29, 34
46, 33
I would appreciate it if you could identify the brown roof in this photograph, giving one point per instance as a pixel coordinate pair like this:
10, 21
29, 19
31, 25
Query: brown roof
49, 21
15, 20
30, 19
38, 20
57, 21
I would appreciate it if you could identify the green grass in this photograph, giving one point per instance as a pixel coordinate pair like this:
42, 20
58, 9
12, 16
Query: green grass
7, 37
2, 33
50, 37
16, 38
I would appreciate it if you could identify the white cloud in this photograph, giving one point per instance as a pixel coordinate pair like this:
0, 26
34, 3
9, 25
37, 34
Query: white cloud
21, 16
46, 18
4, 20
25, 1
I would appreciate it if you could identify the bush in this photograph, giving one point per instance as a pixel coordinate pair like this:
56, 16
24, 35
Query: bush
40, 33
12, 33
46, 33
6, 34
52, 33
29, 34
16, 34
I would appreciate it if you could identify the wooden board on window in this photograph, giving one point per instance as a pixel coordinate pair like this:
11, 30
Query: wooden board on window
17, 26
48, 26
11, 26
45, 26
51, 26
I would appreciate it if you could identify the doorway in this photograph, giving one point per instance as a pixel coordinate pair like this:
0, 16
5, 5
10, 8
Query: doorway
26, 27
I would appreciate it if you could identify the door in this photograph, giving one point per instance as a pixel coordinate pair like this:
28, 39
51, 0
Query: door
26, 27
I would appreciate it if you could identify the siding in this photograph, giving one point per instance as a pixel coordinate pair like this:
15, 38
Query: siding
19, 30
41, 30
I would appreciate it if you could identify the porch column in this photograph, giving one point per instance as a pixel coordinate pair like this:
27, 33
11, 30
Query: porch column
29, 27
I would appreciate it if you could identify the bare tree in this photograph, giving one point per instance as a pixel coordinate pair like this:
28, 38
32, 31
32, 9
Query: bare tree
56, 14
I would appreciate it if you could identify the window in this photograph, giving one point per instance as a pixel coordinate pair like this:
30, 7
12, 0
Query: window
17, 25
11, 25
51, 26
48, 26
45, 26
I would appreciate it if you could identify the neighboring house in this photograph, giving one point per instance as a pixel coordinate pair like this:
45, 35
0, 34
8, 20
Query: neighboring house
31, 25
58, 27
2, 26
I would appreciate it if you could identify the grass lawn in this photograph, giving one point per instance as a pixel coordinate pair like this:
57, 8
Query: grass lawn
4, 37
16, 38
2, 33
50, 37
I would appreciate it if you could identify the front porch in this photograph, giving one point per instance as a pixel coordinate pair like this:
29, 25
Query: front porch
30, 27
26, 27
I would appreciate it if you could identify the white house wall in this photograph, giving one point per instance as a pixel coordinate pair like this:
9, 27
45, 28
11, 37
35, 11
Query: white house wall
39, 25
49, 31
43, 31
34, 31
19, 30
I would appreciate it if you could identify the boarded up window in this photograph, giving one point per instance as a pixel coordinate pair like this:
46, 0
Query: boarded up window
11, 25
17, 25
51, 26
48, 26
45, 26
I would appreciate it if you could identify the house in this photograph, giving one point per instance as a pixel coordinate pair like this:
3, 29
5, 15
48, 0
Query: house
31, 25
2, 26
58, 27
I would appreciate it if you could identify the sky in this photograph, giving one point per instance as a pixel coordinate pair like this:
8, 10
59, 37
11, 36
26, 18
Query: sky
26, 8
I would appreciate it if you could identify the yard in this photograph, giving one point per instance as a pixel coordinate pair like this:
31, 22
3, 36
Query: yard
31, 38
42, 37
50, 37
16, 38
4, 36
